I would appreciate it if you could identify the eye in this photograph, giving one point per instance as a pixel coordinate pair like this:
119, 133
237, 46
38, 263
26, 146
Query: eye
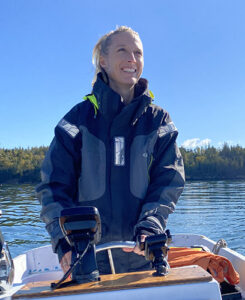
121, 49
139, 53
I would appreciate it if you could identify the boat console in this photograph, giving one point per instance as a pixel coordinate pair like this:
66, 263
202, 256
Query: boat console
81, 227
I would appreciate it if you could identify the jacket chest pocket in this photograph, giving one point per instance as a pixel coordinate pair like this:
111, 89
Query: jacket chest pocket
92, 182
141, 158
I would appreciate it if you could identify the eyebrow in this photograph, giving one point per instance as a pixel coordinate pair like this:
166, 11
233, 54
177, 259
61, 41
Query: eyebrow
123, 45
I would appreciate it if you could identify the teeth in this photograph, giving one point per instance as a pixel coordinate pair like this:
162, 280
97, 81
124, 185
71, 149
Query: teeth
129, 70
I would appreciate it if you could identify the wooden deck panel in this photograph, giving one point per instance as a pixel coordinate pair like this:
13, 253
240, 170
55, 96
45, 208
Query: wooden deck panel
121, 281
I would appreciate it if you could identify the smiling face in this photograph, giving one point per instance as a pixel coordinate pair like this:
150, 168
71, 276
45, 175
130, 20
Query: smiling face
124, 60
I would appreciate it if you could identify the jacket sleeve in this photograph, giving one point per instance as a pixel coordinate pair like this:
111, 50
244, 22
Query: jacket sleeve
166, 182
59, 175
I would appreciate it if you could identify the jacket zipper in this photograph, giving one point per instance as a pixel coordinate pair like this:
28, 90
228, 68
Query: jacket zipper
149, 166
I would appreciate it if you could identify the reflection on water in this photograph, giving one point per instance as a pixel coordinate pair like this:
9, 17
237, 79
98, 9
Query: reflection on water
20, 222
215, 209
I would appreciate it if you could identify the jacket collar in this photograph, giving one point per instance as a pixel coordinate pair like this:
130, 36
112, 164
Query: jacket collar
110, 103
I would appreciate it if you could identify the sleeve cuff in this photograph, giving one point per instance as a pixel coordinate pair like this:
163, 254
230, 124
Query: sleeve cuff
143, 231
62, 248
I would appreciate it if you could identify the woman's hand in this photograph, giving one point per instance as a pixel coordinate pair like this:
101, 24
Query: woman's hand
136, 249
66, 262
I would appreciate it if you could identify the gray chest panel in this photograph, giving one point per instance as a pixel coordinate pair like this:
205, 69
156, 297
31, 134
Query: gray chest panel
140, 160
92, 182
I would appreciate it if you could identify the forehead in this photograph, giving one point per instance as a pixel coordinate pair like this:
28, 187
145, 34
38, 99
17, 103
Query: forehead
126, 39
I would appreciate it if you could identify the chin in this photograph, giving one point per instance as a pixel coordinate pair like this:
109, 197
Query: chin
124, 82
130, 82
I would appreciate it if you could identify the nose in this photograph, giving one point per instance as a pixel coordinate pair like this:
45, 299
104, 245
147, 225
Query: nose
131, 57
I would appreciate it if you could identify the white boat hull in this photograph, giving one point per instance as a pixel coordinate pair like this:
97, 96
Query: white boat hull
41, 264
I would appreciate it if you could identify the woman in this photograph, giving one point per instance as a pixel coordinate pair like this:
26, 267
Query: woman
116, 151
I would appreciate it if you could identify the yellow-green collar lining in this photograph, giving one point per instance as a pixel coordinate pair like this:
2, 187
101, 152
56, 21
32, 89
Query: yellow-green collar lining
93, 100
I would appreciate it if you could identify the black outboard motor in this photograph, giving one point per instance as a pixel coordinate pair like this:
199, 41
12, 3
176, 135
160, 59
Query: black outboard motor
81, 227
6, 266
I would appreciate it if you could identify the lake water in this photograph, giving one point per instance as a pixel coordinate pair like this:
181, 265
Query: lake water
215, 209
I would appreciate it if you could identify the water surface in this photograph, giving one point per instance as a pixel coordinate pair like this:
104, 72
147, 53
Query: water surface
215, 209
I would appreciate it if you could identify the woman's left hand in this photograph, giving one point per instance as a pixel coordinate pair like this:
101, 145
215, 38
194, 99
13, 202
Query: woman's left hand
136, 249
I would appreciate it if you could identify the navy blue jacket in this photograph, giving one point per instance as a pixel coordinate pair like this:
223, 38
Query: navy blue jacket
123, 159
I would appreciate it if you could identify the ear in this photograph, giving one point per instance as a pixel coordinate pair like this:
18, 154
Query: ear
103, 62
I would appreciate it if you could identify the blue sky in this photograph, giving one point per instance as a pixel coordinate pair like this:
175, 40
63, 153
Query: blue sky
194, 60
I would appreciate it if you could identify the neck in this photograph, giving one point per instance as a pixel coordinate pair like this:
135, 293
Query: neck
126, 92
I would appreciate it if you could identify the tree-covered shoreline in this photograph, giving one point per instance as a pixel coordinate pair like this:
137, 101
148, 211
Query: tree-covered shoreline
21, 165
211, 163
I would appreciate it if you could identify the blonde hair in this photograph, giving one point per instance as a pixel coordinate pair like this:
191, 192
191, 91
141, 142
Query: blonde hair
101, 48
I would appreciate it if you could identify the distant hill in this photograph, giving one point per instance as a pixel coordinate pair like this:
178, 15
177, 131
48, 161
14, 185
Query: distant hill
23, 165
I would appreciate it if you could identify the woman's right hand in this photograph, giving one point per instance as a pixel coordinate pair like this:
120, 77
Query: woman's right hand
66, 262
